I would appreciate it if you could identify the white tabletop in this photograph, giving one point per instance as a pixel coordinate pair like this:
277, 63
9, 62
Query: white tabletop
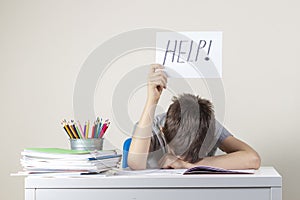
264, 177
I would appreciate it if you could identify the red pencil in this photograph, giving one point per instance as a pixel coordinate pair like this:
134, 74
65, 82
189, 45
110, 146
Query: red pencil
105, 126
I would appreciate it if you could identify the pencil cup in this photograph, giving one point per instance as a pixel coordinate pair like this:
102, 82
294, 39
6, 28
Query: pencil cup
89, 144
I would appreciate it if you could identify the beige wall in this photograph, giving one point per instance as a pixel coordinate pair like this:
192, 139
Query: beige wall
43, 45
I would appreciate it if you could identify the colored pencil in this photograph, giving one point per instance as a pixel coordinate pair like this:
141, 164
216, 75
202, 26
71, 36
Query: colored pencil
76, 131
67, 130
99, 129
105, 126
93, 131
84, 133
87, 129
73, 131
81, 130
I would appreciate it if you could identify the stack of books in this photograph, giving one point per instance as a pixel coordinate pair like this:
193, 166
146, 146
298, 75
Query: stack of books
55, 160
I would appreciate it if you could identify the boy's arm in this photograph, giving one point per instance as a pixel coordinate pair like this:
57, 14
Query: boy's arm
141, 139
239, 156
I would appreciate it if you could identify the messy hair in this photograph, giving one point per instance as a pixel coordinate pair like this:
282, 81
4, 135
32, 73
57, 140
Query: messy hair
189, 122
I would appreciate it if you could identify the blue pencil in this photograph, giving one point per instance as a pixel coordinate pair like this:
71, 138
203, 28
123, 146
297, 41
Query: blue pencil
98, 129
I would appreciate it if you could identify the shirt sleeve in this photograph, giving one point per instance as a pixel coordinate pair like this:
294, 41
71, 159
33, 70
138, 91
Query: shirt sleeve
222, 132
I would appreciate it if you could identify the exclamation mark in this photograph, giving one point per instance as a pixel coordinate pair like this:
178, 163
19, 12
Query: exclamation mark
207, 58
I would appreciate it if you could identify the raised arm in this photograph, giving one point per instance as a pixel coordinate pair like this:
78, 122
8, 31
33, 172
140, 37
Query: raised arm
139, 148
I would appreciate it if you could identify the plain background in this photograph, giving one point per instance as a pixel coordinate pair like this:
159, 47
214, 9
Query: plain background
43, 45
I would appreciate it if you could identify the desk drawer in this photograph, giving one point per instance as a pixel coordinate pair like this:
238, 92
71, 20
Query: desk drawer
155, 194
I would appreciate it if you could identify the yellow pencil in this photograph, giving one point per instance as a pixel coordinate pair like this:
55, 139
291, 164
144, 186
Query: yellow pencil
72, 130
87, 129
67, 130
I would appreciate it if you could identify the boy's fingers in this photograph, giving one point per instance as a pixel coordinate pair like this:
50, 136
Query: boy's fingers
164, 78
153, 67
160, 83
160, 76
158, 79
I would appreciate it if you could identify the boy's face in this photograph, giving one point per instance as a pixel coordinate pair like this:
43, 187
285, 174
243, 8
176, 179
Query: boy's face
171, 151
171, 148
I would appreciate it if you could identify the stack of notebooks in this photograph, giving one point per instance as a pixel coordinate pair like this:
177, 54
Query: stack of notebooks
55, 160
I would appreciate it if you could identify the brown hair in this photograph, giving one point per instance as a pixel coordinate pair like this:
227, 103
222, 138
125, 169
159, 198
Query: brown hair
189, 121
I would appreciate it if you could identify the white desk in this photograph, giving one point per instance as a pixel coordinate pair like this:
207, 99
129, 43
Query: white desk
265, 184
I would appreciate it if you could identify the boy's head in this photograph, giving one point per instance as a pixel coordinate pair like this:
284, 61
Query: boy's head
189, 125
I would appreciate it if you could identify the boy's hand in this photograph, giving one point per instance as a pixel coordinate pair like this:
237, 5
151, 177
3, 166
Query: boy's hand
169, 161
157, 81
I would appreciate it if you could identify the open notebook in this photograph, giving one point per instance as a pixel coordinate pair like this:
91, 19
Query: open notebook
192, 171
214, 170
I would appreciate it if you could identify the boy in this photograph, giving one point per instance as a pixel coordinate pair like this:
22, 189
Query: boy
187, 136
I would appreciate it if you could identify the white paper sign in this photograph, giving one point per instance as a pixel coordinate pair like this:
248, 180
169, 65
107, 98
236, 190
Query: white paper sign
190, 54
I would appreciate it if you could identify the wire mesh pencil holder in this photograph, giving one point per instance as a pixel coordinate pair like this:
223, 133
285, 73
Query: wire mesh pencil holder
89, 144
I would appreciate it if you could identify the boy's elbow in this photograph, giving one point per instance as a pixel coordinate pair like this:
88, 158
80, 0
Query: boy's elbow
255, 161
134, 164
